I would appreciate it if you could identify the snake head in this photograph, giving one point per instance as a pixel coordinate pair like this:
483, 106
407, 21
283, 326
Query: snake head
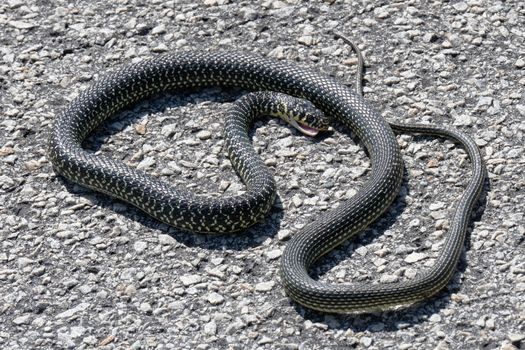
302, 115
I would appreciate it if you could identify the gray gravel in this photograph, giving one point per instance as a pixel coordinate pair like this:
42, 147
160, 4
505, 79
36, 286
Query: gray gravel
80, 270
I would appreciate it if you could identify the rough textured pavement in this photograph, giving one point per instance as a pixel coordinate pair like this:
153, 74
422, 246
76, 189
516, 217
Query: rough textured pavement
80, 270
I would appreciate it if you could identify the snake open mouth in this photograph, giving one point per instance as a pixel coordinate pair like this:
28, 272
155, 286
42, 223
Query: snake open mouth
305, 129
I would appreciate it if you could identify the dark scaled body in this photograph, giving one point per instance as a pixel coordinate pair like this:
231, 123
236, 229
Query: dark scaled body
188, 211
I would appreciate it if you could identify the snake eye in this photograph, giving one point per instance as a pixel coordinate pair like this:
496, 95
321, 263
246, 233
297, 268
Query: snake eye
309, 119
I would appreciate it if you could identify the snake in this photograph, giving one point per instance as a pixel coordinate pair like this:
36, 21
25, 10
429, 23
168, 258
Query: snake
190, 70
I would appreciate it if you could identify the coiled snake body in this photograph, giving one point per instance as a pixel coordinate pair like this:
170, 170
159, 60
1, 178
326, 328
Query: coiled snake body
188, 211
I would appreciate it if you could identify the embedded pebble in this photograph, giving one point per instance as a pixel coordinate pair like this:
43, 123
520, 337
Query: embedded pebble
274, 254
25, 319
389, 278
366, 341
160, 29
306, 40
284, 234
167, 240
204, 134
189, 280
146, 307
21, 25
414, 257
435, 318
140, 246
210, 328
68, 313
463, 120
264, 286
215, 299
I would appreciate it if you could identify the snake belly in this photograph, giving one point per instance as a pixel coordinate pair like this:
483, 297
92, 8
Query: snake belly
182, 209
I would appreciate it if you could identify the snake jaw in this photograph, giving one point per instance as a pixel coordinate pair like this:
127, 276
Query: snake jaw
305, 129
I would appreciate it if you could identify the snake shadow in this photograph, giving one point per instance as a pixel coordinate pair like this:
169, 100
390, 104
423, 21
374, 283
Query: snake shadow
396, 319
250, 237
238, 241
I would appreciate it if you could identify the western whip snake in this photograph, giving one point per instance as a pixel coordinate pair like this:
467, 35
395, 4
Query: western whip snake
185, 210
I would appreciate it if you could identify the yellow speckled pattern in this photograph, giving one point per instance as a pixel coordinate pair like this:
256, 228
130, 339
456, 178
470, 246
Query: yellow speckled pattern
185, 210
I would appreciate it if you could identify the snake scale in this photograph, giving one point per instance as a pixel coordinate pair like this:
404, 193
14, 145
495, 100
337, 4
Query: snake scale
182, 209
